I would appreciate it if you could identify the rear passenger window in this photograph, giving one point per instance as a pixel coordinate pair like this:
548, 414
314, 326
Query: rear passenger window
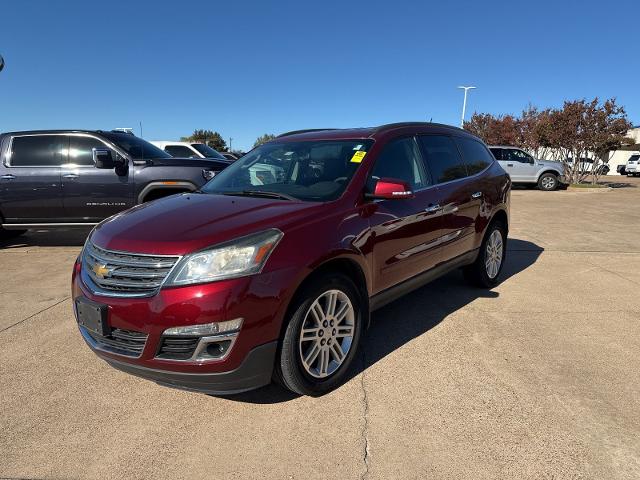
81, 150
497, 153
400, 159
443, 158
475, 155
38, 151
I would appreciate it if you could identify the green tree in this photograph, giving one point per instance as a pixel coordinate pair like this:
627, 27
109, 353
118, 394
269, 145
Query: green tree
213, 139
267, 137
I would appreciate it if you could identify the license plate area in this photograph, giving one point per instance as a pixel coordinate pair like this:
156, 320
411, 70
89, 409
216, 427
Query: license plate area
93, 316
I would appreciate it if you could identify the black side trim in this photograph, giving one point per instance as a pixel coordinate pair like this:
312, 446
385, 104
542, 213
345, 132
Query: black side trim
254, 372
392, 293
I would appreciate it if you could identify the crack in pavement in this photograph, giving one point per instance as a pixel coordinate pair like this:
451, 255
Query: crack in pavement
365, 426
31, 316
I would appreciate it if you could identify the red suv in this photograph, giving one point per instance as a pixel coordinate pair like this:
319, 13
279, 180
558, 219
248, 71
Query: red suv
272, 269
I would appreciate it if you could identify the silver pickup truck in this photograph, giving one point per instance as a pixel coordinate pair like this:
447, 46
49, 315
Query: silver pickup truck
524, 169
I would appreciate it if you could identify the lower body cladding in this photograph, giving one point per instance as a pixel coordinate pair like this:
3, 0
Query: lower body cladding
254, 372
153, 337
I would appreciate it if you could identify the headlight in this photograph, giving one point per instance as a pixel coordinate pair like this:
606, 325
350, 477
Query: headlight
239, 258
208, 174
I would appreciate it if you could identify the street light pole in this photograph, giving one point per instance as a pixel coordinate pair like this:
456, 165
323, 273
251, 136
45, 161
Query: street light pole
464, 103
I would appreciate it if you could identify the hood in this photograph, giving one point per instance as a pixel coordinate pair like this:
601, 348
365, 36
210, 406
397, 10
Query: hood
189, 162
189, 222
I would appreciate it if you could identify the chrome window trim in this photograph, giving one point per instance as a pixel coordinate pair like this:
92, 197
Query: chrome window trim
9, 151
425, 161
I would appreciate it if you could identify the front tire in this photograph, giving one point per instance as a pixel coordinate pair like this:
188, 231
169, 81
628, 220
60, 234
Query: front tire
485, 271
322, 336
548, 182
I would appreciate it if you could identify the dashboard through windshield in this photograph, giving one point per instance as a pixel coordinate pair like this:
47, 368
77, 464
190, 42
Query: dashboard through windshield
309, 170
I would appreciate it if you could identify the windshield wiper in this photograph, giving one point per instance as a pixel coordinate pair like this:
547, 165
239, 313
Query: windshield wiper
261, 193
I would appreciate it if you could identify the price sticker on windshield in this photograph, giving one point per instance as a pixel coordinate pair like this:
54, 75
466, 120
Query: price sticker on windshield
357, 157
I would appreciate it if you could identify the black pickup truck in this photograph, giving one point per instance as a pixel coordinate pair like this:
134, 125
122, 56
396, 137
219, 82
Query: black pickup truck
65, 178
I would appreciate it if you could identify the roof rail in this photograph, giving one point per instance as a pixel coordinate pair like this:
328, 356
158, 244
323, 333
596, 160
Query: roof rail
390, 126
295, 132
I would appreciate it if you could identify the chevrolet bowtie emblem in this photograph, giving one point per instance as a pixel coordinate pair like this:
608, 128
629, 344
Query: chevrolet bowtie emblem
101, 270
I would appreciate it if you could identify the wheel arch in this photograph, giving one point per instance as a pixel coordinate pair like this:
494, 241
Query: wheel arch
343, 264
500, 216
165, 185
548, 170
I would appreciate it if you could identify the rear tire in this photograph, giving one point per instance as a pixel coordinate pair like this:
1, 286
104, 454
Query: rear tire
309, 363
548, 182
485, 272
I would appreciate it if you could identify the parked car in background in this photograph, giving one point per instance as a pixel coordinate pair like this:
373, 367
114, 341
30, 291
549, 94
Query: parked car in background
633, 165
188, 150
222, 290
524, 169
62, 178
586, 166
230, 156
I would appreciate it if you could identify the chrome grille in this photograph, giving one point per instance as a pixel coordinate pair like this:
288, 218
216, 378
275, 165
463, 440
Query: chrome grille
123, 273
123, 342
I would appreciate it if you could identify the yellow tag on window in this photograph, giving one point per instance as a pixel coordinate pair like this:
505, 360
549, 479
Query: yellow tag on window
358, 156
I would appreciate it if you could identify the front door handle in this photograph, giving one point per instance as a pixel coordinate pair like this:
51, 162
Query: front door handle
8, 177
509, 164
70, 176
476, 195
433, 208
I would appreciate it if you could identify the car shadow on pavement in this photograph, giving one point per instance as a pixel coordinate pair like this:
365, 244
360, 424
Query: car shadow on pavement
72, 237
411, 316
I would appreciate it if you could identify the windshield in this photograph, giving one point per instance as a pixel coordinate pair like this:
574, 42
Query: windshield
317, 171
207, 151
137, 148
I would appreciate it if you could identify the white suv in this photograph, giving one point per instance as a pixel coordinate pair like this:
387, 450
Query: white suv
188, 150
633, 165
523, 168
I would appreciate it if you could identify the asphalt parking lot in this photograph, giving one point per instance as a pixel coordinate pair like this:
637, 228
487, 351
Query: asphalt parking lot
539, 378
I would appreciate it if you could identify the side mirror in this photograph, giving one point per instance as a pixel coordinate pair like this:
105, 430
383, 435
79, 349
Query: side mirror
391, 189
103, 159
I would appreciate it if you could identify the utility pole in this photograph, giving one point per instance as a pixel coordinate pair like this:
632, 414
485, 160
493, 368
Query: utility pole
464, 103
230, 140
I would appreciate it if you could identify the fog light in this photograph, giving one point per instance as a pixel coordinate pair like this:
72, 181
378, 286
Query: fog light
215, 328
216, 350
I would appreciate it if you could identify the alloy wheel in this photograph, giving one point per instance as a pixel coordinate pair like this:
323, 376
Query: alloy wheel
548, 183
327, 333
494, 254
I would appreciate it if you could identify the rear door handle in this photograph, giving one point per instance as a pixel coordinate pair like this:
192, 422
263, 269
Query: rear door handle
70, 176
476, 195
8, 177
433, 208
509, 164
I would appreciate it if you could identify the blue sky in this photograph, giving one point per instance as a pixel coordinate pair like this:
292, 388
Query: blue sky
247, 68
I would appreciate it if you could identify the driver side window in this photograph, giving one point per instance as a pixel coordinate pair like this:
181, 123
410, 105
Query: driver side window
520, 156
400, 159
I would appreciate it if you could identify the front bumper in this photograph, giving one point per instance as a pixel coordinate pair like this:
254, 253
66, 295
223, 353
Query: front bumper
254, 372
632, 168
260, 300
